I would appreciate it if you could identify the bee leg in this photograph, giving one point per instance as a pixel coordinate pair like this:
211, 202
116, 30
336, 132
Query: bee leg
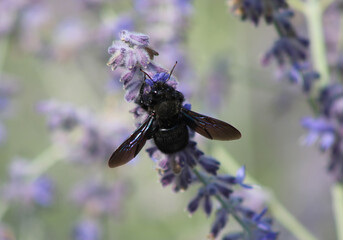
153, 130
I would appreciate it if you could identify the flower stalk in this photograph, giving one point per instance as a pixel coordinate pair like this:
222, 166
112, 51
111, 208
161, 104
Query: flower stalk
314, 15
279, 212
224, 204
337, 197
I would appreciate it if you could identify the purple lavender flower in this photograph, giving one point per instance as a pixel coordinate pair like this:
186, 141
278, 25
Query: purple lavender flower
84, 138
35, 18
327, 128
261, 228
290, 50
8, 12
133, 53
99, 199
61, 117
253, 10
7, 89
21, 188
70, 36
169, 39
179, 169
6, 233
87, 229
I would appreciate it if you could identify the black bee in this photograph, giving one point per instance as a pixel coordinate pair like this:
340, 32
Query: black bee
167, 122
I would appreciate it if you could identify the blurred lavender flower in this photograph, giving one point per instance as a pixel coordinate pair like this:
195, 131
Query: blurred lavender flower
7, 89
253, 10
111, 27
6, 233
87, 229
179, 169
99, 199
35, 21
327, 128
70, 36
84, 138
21, 188
290, 50
8, 15
167, 28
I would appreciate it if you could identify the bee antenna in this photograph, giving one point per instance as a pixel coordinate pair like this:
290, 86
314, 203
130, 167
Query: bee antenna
145, 73
171, 72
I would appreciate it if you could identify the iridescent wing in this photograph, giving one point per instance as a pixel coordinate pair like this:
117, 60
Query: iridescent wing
210, 127
131, 146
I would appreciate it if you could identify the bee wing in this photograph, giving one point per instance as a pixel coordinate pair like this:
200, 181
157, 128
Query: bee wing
132, 145
210, 127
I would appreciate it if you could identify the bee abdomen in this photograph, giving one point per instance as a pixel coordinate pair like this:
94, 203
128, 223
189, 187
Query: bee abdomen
173, 139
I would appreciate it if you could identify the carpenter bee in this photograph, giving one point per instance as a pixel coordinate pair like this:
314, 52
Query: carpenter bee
167, 122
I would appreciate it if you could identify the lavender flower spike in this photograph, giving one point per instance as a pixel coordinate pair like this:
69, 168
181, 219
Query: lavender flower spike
178, 168
133, 53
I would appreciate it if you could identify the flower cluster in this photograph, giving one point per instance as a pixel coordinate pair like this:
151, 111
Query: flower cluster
132, 53
290, 53
290, 50
253, 10
20, 188
87, 229
84, 138
6, 233
96, 199
190, 165
6, 92
327, 127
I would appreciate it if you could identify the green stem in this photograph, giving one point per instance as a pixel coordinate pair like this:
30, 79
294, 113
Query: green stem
314, 16
337, 196
44, 161
296, 4
280, 213
224, 203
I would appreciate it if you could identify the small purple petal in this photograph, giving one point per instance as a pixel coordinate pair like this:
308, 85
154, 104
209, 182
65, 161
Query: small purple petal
194, 204
133, 38
211, 165
327, 141
167, 179
219, 222
142, 57
207, 205
226, 192
131, 60
87, 230
43, 191
127, 76
240, 176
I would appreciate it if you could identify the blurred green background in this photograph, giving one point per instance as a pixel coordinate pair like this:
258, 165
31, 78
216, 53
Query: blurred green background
267, 112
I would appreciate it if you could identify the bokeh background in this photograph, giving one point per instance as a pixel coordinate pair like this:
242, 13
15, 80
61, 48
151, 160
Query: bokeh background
53, 56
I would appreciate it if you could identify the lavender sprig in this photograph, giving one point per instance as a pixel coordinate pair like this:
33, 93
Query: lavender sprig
290, 52
325, 98
180, 169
